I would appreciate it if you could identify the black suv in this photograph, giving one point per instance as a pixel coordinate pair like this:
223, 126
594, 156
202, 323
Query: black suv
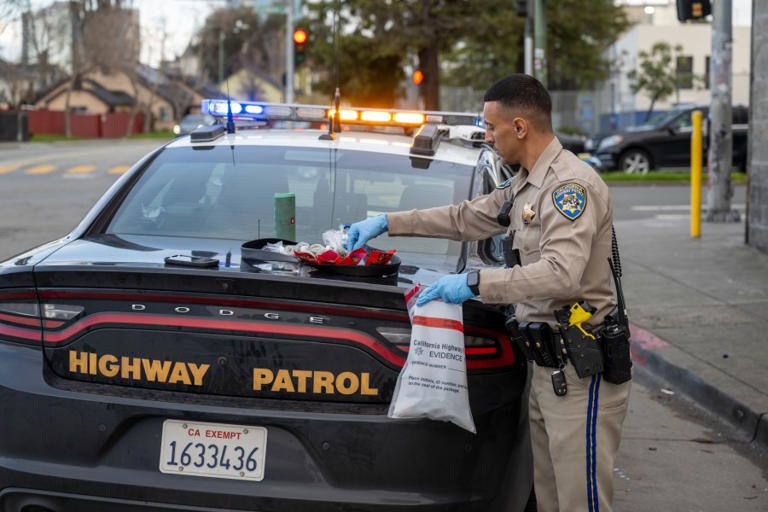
664, 141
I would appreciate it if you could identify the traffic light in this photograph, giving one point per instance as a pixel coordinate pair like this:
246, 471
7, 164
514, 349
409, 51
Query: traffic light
521, 8
418, 77
693, 9
299, 46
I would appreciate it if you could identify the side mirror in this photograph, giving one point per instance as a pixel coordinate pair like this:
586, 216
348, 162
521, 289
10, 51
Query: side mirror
490, 250
672, 130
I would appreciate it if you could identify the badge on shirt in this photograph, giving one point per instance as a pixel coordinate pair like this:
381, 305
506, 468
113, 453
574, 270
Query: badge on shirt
528, 213
570, 200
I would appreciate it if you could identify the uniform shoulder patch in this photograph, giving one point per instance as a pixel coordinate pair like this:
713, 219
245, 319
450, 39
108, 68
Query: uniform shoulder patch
570, 200
505, 184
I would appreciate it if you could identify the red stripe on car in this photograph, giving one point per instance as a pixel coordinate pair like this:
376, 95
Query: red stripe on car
34, 322
18, 332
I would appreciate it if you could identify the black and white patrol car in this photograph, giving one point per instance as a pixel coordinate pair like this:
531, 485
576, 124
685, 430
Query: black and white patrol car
131, 383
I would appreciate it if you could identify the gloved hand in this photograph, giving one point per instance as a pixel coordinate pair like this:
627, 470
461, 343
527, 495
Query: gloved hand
361, 232
452, 289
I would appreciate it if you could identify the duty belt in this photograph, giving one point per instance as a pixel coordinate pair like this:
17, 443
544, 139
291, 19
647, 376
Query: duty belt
539, 342
604, 348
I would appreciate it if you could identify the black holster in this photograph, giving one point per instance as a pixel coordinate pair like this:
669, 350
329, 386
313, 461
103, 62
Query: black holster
614, 341
511, 256
536, 341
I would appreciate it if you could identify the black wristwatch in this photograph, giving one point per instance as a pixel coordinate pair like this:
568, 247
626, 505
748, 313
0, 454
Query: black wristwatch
473, 281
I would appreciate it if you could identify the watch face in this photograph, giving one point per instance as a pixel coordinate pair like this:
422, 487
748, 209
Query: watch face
473, 280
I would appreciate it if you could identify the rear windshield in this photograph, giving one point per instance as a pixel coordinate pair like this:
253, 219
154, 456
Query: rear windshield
228, 193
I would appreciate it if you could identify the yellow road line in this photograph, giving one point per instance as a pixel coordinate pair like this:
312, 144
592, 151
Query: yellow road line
81, 169
119, 169
9, 168
41, 169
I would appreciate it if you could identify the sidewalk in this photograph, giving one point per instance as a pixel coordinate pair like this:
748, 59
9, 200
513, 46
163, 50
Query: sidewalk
699, 310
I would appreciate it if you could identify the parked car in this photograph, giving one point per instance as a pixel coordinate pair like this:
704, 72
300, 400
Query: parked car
665, 141
191, 122
148, 364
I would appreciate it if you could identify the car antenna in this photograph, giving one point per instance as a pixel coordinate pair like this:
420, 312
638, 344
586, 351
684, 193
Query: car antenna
230, 121
334, 115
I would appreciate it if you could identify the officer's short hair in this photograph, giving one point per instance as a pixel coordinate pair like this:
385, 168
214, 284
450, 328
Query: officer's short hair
523, 95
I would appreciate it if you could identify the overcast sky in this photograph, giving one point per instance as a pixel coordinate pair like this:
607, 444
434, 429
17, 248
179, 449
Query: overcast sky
182, 18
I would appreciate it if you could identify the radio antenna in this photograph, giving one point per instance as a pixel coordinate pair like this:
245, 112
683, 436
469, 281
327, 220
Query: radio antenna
337, 41
334, 114
230, 121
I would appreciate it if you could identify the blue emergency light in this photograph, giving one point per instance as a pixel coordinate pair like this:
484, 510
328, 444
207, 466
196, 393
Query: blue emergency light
260, 111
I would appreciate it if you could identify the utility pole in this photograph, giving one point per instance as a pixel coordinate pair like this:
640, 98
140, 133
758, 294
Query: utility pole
289, 51
540, 42
720, 158
221, 57
528, 44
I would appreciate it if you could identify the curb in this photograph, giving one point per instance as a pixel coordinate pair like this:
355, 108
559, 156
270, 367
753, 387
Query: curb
752, 424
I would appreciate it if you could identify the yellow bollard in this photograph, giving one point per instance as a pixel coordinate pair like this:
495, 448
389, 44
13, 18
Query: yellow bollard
696, 153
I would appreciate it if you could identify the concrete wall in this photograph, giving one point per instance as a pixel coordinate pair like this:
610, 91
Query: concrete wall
757, 213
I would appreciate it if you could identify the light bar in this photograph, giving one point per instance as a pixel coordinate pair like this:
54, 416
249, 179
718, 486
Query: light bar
253, 109
375, 116
262, 111
221, 108
344, 114
409, 118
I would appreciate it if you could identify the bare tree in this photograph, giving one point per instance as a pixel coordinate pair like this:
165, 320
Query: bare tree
105, 37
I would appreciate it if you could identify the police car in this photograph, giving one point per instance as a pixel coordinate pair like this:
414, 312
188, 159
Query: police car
147, 364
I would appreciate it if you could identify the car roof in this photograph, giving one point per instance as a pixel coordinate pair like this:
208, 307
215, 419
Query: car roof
351, 140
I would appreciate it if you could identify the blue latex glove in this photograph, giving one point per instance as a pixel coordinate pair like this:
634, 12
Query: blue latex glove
361, 232
452, 289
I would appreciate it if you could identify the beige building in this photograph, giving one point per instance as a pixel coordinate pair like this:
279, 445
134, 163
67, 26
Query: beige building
656, 20
99, 94
695, 40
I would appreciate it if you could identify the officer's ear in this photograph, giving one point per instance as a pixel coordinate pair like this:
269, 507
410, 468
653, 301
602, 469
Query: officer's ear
520, 126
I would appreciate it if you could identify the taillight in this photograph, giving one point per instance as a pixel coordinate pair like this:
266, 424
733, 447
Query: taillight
396, 335
401, 336
20, 309
20, 318
61, 312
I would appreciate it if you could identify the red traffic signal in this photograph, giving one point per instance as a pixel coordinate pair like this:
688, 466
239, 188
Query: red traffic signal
299, 36
418, 77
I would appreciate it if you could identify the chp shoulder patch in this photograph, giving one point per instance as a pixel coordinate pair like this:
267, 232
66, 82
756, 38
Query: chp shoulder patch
570, 200
505, 184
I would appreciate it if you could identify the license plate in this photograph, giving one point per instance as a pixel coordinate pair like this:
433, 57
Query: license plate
213, 449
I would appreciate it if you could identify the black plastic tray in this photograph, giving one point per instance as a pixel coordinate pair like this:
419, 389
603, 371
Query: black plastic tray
254, 252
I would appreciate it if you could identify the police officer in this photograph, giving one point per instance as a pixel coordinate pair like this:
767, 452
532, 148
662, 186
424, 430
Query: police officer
562, 218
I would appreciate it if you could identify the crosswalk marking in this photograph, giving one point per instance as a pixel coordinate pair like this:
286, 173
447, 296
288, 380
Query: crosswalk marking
81, 169
8, 168
41, 169
119, 169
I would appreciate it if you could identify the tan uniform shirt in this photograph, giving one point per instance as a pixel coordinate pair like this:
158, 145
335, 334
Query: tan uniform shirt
564, 247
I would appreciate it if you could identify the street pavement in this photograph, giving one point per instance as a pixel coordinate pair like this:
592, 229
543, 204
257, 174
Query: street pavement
699, 308
696, 433
46, 188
